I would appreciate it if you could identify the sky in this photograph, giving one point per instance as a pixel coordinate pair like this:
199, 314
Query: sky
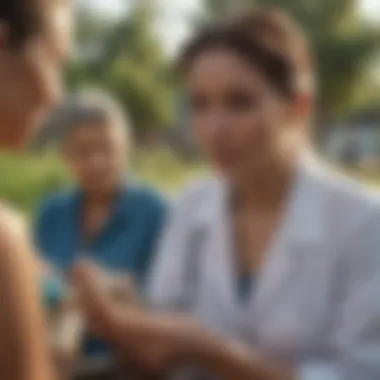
175, 25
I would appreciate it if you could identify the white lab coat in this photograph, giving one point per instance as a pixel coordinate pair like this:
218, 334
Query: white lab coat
316, 303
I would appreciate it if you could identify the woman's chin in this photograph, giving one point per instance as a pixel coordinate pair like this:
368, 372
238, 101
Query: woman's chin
100, 188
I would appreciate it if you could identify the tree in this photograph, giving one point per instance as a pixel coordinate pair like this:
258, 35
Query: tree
124, 56
341, 40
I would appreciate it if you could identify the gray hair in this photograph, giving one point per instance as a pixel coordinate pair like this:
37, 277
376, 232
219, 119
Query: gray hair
92, 107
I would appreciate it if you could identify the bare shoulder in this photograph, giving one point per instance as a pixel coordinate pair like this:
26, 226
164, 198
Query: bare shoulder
23, 341
9, 216
14, 239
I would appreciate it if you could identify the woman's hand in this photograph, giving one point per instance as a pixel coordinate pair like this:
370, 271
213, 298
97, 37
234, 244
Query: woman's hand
161, 343
157, 342
168, 342
102, 296
115, 286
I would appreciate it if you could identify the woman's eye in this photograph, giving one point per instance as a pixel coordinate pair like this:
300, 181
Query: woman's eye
241, 101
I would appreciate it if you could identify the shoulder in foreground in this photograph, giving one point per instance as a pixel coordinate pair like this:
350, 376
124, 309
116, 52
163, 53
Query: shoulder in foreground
10, 217
12, 228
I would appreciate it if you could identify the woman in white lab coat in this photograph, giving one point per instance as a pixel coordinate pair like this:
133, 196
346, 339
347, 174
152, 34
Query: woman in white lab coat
276, 259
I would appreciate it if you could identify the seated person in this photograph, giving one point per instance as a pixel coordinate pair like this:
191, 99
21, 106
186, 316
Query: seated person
107, 217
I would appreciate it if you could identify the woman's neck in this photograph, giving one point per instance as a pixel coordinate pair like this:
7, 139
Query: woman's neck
102, 198
267, 186
99, 198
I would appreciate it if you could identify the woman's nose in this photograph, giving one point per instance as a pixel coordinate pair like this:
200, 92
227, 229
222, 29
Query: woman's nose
218, 123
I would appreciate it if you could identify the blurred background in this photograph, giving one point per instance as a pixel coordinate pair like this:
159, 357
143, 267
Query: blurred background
129, 48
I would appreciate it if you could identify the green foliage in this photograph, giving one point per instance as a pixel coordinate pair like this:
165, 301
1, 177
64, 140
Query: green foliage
341, 40
124, 56
148, 100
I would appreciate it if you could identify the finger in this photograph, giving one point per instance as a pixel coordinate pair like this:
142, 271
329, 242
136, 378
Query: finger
87, 280
85, 273
124, 291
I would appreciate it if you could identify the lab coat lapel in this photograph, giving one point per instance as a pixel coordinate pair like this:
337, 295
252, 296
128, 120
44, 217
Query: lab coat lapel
218, 265
301, 234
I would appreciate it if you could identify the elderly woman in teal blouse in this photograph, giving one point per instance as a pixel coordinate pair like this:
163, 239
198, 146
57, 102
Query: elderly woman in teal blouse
107, 217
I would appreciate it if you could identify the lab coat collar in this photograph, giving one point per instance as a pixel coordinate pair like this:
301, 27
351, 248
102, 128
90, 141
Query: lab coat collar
302, 229
305, 217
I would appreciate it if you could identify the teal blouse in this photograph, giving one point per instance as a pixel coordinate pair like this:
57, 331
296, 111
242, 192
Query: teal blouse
126, 243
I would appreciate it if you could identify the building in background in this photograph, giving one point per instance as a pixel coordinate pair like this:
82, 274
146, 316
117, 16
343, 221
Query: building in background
356, 142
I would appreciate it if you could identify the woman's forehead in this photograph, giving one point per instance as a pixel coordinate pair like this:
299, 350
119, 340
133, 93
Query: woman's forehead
221, 70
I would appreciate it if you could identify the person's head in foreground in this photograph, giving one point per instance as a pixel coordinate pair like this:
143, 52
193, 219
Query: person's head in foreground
95, 142
250, 83
34, 43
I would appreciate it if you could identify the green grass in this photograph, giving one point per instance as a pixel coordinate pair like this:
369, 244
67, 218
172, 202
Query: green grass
25, 179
